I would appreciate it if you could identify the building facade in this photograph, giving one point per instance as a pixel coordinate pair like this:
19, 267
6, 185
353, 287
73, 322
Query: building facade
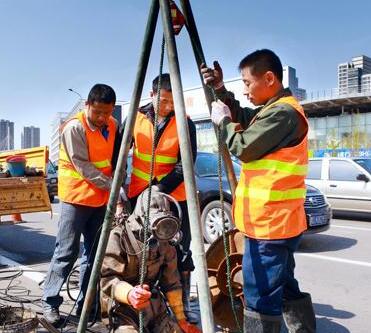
30, 137
6, 135
58, 120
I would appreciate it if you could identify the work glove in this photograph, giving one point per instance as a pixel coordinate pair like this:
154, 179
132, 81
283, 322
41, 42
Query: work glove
158, 200
213, 76
187, 327
219, 112
139, 297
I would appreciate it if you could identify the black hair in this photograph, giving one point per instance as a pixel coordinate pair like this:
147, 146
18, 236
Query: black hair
165, 82
262, 61
102, 93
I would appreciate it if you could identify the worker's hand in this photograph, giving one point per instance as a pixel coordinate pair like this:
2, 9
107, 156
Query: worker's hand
158, 200
219, 112
139, 297
187, 327
213, 76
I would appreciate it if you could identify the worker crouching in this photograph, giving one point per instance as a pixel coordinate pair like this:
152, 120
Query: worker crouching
122, 295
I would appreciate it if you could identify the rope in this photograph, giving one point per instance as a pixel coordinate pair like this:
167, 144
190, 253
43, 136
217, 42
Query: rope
143, 268
225, 238
221, 195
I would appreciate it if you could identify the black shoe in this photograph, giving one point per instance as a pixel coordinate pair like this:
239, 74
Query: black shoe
52, 315
92, 315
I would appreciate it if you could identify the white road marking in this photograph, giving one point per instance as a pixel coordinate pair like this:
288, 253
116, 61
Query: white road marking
35, 276
350, 227
344, 261
26, 271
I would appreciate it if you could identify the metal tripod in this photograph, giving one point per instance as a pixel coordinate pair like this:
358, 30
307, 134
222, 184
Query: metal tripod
207, 319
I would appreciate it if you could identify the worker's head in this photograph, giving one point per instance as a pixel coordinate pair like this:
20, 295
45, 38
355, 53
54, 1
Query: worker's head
262, 76
166, 95
100, 104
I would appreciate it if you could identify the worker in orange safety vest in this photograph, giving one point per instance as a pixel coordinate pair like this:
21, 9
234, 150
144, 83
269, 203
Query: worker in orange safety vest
84, 182
271, 142
168, 172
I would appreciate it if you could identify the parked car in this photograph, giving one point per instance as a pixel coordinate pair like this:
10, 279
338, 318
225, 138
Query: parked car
344, 181
52, 181
317, 209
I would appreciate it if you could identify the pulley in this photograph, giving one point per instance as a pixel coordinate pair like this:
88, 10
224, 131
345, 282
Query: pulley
216, 266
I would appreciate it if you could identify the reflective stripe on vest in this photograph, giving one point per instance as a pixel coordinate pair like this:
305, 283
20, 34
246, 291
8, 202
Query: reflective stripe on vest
98, 164
271, 195
158, 158
269, 199
145, 176
275, 165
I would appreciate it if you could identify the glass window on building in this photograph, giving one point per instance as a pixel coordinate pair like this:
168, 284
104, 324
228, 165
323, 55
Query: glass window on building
345, 137
320, 123
332, 122
345, 120
358, 119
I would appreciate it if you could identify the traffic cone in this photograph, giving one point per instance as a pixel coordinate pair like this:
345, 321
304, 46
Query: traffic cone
17, 218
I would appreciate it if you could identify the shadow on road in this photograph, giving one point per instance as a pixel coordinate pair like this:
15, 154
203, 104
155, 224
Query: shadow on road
325, 315
324, 243
351, 216
328, 313
26, 243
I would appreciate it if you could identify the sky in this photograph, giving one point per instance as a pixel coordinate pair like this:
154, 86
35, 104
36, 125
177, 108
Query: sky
49, 46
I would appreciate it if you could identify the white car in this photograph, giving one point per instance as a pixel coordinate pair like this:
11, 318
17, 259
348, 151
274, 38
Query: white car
346, 182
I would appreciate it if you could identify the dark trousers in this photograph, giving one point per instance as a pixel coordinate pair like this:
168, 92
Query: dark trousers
268, 273
74, 220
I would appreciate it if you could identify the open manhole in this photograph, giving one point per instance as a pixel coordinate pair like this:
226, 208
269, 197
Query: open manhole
17, 320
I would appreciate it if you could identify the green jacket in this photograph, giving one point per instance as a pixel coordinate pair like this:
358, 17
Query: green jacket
277, 127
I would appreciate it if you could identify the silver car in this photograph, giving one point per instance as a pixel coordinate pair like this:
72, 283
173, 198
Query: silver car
346, 182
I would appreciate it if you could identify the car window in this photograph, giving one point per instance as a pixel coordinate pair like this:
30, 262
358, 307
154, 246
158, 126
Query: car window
364, 163
51, 168
343, 171
207, 166
314, 169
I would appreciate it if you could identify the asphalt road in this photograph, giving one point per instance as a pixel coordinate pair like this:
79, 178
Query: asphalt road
334, 266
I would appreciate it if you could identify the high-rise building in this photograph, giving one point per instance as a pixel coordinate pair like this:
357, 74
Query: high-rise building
30, 137
366, 83
6, 135
290, 80
59, 119
350, 74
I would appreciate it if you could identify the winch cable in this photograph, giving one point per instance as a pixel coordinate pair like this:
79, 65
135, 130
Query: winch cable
143, 268
221, 196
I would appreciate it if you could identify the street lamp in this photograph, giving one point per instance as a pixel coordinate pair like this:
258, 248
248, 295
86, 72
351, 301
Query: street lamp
75, 92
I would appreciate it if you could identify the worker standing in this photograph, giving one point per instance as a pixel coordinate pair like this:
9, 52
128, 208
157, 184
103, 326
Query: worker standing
84, 182
271, 142
168, 171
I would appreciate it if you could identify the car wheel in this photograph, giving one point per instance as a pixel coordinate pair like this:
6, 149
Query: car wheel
211, 219
51, 198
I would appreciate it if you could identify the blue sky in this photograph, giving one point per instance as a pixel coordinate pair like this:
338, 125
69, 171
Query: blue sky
49, 46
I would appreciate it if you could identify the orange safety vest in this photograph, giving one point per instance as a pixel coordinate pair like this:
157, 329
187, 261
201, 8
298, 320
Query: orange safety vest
269, 198
72, 186
166, 156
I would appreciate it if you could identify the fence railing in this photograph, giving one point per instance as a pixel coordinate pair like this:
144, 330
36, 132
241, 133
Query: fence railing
334, 93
